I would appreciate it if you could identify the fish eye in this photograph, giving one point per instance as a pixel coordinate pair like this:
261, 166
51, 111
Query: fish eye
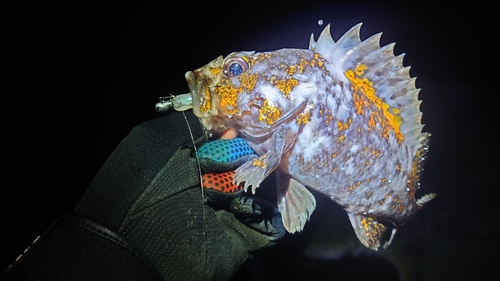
235, 66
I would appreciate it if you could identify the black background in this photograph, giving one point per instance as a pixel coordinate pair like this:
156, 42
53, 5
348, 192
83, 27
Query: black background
79, 77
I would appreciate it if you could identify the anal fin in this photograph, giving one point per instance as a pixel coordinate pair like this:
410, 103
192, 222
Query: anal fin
295, 202
368, 230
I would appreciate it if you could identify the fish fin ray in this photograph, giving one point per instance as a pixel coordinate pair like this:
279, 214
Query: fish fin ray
368, 230
253, 172
390, 79
295, 202
256, 170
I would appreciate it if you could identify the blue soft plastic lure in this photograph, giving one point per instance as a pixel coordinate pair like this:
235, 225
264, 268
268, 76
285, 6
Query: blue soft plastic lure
226, 151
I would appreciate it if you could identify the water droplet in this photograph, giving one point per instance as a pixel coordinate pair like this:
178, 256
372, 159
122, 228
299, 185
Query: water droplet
320, 22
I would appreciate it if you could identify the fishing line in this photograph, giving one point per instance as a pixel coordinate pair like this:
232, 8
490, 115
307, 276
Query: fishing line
202, 193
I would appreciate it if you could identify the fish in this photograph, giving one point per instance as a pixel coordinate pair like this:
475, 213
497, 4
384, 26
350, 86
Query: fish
341, 118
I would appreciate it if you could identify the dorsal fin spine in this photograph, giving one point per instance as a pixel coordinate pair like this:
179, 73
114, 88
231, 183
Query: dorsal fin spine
390, 79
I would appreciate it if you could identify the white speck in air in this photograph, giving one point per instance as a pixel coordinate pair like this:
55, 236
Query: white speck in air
320, 22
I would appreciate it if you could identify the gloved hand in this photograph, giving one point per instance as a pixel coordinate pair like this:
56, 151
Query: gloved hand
144, 216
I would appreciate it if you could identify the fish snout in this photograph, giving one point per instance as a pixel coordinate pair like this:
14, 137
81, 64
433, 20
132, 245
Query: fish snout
201, 101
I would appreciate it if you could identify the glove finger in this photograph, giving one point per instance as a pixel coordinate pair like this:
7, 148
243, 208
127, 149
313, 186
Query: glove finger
260, 215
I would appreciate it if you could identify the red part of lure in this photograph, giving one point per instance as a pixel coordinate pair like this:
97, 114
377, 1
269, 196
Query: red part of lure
221, 182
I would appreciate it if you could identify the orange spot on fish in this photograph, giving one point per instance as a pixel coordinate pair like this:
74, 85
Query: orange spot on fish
364, 97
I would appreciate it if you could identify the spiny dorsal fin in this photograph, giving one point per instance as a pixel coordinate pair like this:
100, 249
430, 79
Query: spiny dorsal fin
391, 80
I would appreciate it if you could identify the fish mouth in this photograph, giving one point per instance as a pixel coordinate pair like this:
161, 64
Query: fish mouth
199, 101
205, 103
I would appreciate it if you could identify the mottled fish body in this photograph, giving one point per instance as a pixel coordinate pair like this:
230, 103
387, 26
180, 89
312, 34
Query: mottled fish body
340, 117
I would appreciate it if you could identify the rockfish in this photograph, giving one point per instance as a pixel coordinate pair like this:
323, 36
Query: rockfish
341, 118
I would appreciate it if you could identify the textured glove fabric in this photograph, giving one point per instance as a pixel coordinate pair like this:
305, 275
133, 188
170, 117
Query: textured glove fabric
159, 183
148, 194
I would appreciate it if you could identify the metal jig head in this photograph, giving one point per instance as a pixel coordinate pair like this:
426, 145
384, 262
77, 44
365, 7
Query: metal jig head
180, 103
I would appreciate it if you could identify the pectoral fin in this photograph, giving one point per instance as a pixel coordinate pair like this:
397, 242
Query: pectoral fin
253, 172
256, 170
368, 230
295, 202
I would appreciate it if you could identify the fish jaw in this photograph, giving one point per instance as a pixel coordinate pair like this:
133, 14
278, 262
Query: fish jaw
201, 83
199, 100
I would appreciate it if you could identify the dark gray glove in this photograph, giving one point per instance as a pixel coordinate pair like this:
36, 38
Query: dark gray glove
144, 217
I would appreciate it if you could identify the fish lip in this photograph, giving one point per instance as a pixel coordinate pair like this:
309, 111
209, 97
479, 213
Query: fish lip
195, 84
194, 91
221, 133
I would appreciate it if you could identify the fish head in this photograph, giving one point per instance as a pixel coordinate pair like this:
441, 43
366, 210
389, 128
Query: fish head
252, 92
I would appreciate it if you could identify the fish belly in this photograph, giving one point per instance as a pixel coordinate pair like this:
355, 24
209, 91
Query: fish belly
361, 172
